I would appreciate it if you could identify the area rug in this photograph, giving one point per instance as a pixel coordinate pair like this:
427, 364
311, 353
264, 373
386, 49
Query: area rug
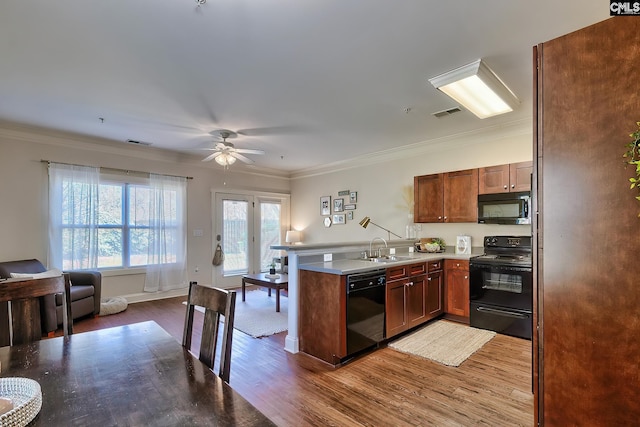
257, 315
112, 305
444, 342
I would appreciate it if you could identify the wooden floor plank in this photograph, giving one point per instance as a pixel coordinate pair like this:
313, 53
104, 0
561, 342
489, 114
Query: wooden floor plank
382, 388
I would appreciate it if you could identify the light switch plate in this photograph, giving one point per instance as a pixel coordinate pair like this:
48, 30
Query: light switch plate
328, 257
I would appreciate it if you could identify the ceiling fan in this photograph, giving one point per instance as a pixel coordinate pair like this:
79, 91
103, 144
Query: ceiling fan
225, 152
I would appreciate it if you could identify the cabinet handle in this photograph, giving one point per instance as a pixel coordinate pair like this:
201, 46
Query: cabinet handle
466, 277
513, 186
439, 218
445, 218
505, 187
410, 284
457, 264
429, 278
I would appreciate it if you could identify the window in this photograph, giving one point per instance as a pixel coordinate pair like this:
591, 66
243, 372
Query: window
109, 221
124, 223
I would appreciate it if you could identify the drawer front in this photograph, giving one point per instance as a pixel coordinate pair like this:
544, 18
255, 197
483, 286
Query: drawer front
415, 269
395, 273
435, 265
404, 271
457, 264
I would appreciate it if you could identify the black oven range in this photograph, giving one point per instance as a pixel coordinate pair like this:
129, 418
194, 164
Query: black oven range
501, 286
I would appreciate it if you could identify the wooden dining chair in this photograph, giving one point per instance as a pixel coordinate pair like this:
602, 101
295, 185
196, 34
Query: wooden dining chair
13, 290
216, 302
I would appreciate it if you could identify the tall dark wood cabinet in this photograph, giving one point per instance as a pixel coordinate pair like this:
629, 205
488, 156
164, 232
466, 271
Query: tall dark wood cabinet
587, 350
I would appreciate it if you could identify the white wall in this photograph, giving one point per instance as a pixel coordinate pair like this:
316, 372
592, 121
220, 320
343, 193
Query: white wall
380, 184
23, 195
379, 180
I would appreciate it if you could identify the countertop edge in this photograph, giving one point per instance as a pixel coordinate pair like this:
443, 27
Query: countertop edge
349, 266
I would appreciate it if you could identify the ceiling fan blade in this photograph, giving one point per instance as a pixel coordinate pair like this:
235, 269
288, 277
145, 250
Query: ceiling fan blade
273, 130
241, 157
211, 157
247, 151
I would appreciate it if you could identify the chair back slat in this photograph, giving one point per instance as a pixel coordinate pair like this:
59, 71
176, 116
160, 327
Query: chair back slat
216, 302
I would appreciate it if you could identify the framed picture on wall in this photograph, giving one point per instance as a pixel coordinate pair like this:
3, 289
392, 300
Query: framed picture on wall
353, 197
350, 215
339, 219
338, 205
325, 205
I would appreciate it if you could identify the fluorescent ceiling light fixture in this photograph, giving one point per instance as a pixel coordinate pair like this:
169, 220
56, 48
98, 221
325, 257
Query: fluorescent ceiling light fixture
225, 159
478, 89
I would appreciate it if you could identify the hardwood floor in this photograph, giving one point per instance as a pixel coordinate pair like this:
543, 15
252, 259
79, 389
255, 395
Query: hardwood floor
382, 388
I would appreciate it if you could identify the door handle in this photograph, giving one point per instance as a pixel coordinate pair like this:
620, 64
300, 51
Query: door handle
502, 312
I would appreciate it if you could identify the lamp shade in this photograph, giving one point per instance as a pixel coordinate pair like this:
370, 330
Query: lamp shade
477, 88
293, 236
365, 222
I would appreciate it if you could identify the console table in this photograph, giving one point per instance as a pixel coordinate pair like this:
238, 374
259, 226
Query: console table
261, 279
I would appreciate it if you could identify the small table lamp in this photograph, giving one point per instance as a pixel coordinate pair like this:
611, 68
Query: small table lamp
293, 236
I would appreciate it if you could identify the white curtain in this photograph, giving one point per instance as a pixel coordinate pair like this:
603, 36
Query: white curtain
167, 267
73, 216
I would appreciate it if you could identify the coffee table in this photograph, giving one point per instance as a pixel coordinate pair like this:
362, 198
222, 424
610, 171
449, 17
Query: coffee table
261, 279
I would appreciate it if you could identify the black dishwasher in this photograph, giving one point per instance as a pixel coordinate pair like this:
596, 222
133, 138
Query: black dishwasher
365, 309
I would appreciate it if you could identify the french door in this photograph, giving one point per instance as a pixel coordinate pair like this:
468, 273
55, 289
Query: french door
246, 225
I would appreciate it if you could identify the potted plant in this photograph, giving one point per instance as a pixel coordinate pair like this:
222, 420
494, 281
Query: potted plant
633, 158
272, 268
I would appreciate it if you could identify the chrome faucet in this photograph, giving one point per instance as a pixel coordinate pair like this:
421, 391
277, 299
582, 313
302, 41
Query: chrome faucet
371, 244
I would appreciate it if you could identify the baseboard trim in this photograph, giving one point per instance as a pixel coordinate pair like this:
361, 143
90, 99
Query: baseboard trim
151, 296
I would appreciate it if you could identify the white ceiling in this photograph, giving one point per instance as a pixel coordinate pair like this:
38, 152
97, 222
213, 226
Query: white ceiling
318, 81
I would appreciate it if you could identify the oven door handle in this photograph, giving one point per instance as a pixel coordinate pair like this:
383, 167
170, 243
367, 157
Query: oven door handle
502, 312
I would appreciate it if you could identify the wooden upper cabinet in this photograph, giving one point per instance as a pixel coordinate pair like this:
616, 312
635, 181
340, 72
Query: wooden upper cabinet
446, 197
461, 196
505, 178
428, 193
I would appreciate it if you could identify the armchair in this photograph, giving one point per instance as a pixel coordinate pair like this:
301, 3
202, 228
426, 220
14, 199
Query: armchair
86, 288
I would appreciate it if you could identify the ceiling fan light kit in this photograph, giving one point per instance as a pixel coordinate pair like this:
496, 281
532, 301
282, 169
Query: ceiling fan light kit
225, 159
478, 89
225, 152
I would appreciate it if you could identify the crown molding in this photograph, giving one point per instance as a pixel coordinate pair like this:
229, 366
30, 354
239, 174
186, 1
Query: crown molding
32, 134
516, 128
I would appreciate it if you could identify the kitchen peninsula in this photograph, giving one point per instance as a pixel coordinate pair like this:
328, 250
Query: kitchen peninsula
332, 263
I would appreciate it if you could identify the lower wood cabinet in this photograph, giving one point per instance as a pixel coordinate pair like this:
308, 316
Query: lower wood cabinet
414, 296
323, 322
457, 288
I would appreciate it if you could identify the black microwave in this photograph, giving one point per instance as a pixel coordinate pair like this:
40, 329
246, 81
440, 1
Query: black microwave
504, 208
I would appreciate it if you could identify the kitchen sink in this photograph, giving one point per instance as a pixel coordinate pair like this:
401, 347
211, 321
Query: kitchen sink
388, 258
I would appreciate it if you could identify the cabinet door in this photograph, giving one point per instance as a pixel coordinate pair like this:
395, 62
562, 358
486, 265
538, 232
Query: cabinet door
461, 196
428, 198
435, 297
493, 179
520, 176
416, 300
458, 292
396, 319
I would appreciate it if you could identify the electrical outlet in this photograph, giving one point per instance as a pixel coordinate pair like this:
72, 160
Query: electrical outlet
328, 257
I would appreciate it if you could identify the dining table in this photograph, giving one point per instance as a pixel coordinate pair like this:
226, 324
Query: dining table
132, 375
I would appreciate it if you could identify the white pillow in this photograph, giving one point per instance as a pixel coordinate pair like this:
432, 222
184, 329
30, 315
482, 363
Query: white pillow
54, 272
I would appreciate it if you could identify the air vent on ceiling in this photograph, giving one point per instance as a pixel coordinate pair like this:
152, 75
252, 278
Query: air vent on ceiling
133, 141
445, 113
